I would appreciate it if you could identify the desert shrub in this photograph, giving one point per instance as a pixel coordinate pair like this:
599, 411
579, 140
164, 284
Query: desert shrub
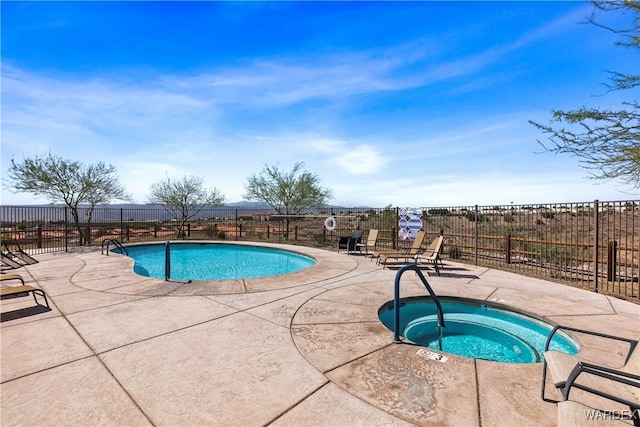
439, 211
211, 230
318, 237
102, 231
471, 216
557, 255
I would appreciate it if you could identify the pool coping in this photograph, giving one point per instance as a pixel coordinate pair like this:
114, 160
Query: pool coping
325, 268
526, 316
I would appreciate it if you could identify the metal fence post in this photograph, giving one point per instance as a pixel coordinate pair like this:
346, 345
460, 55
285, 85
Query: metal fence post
612, 248
394, 238
39, 231
596, 243
66, 230
507, 249
395, 233
475, 243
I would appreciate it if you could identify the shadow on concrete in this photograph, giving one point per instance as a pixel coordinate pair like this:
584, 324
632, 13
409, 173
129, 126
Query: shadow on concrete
23, 312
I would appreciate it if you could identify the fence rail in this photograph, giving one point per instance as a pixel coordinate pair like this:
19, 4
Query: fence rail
593, 245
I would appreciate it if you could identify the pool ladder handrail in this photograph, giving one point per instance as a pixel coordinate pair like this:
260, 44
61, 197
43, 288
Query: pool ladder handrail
167, 261
396, 299
115, 242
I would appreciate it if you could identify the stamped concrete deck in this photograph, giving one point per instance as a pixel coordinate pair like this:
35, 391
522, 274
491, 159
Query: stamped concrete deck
306, 349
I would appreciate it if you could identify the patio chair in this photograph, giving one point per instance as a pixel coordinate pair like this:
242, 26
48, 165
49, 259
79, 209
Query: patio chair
349, 242
5, 276
369, 244
416, 248
432, 254
17, 291
8, 262
621, 385
14, 250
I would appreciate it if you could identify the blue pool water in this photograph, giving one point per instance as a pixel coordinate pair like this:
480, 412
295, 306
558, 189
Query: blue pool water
476, 329
202, 261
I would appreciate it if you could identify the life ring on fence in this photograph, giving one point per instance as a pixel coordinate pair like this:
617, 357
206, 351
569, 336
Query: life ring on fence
330, 223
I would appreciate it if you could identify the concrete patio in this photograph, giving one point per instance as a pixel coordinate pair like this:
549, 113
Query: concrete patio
305, 349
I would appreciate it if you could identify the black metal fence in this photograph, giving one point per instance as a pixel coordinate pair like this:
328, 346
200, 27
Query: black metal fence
593, 245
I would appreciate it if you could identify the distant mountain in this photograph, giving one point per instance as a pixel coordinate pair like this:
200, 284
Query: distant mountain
244, 204
261, 206
134, 212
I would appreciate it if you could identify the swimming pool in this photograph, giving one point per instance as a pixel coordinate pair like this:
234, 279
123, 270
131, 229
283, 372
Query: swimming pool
475, 329
215, 261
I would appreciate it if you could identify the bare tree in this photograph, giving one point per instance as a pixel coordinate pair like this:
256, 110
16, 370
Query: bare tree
607, 142
184, 199
68, 181
287, 193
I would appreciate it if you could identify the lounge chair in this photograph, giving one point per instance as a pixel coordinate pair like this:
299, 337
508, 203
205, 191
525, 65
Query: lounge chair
16, 291
432, 254
407, 255
4, 277
621, 385
8, 262
369, 244
349, 242
14, 250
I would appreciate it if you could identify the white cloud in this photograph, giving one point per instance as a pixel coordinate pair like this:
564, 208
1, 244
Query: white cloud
467, 190
352, 158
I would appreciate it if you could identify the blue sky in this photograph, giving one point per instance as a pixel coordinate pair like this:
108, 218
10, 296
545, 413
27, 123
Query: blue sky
401, 103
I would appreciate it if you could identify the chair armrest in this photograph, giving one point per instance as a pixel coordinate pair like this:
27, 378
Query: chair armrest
632, 343
615, 375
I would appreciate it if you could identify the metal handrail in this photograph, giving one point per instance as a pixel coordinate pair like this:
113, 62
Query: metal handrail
115, 242
167, 264
167, 261
396, 300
